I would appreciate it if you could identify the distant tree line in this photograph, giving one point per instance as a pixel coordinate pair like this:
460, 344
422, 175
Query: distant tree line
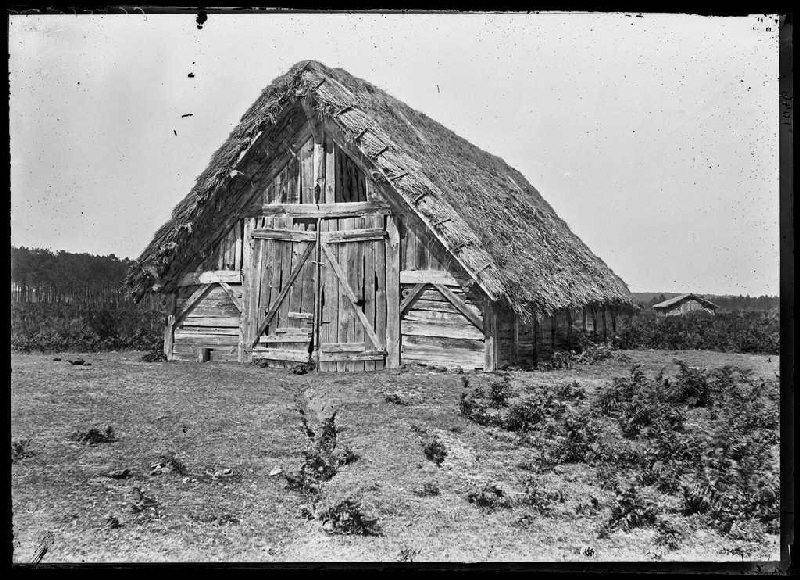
64, 301
40, 275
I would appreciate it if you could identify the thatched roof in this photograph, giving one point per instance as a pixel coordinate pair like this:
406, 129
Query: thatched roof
673, 302
495, 223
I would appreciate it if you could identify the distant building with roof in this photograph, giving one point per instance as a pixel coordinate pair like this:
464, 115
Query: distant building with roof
684, 304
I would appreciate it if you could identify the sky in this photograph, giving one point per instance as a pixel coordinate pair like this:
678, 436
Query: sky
655, 138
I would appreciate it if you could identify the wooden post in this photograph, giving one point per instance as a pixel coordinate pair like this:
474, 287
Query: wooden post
535, 340
605, 325
330, 170
169, 332
317, 293
392, 294
169, 328
516, 338
490, 337
246, 320
318, 164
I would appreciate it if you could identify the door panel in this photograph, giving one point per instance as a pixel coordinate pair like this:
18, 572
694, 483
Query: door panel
285, 314
321, 295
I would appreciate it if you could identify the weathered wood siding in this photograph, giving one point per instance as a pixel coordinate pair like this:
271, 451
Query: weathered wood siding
226, 254
433, 330
212, 323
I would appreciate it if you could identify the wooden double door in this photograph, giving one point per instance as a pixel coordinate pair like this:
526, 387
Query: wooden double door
318, 291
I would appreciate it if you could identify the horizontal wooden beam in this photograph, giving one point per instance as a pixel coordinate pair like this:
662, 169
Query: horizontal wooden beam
378, 355
331, 210
213, 321
428, 277
285, 339
285, 235
364, 235
211, 277
344, 347
278, 354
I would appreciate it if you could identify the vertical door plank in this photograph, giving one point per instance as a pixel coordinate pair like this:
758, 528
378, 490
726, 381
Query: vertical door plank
287, 255
330, 171
247, 280
369, 283
358, 279
276, 268
329, 296
380, 287
392, 294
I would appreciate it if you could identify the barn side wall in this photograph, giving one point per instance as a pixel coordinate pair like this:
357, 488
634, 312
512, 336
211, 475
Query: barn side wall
433, 329
526, 344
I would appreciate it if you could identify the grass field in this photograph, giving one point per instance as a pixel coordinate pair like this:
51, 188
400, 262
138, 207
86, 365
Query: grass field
215, 417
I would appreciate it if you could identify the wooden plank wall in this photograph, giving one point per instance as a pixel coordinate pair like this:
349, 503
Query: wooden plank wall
227, 253
212, 323
350, 182
433, 331
536, 341
273, 262
295, 182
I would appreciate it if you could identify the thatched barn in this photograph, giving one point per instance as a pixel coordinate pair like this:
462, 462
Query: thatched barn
684, 304
339, 226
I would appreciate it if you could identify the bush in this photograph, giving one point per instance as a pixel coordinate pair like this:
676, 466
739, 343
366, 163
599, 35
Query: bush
63, 326
475, 407
581, 433
349, 517
428, 489
20, 449
94, 436
670, 533
526, 412
434, 450
631, 510
395, 399
742, 331
489, 497
499, 392
321, 458
537, 496
594, 353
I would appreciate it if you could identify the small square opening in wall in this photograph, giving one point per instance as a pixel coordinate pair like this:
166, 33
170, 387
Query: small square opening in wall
204, 354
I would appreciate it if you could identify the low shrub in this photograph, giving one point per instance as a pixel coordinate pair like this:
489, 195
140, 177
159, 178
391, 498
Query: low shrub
538, 496
632, 510
350, 517
500, 392
322, 459
395, 399
670, 533
21, 449
168, 463
434, 450
738, 331
581, 432
527, 412
94, 436
428, 489
489, 497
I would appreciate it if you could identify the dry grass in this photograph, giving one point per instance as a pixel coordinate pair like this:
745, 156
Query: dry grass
216, 417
